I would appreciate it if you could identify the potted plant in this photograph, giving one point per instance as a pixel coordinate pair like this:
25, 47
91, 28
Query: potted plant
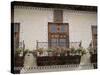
39, 51
72, 51
19, 57
57, 51
50, 50
63, 52
67, 52
19, 52
80, 51
83, 51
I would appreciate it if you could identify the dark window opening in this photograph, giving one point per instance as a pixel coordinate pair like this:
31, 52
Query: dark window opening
94, 36
16, 35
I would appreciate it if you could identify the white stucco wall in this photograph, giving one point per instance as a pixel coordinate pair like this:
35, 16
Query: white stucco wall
80, 23
34, 25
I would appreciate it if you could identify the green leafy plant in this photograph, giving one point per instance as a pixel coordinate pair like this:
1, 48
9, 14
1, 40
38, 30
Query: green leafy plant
19, 50
50, 50
72, 50
40, 50
81, 51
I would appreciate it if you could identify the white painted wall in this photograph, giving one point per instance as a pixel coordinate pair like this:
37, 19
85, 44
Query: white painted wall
34, 25
80, 25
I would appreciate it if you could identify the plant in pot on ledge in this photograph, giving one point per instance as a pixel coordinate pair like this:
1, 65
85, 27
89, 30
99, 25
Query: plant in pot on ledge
72, 51
50, 51
63, 52
67, 52
39, 52
80, 51
19, 59
19, 52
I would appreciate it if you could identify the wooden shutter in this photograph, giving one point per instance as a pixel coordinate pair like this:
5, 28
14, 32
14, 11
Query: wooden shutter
58, 16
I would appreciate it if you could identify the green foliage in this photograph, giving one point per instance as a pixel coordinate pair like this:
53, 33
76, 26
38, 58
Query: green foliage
81, 51
40, 50
72, 49
19, 50
50, 50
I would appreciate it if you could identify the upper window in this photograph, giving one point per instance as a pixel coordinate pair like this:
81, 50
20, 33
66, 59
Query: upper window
58, 16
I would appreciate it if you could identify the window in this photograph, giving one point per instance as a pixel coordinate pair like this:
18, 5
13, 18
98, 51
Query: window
58, 35
16, 34
53, 28
63, 28
54, 42
94, 36
58, 16
62, 42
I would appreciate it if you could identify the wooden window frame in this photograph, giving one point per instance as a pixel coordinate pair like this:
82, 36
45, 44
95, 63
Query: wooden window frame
93, 34
17, 34
64, 34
